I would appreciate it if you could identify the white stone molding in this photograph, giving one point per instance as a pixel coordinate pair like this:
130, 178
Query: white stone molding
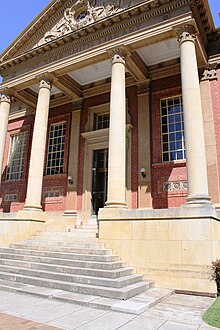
175, 186
210, 73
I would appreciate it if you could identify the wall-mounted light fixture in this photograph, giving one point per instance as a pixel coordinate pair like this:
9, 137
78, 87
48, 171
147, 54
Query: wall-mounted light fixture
143, 172
70, 179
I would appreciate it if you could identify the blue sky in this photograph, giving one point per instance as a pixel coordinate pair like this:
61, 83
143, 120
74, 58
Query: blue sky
16, 15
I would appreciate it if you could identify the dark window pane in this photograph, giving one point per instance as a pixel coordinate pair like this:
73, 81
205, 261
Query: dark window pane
165, 157
165, 147
164, 129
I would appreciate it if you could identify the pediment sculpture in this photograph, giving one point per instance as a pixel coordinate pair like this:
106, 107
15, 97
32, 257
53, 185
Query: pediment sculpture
78, 16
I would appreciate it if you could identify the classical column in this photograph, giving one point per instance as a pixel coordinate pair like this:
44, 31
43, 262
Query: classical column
193, 120
5, 103
117, 133
35, 178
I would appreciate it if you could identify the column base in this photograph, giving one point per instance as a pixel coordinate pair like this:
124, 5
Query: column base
32, 208
33, 214
199, 200
116, 205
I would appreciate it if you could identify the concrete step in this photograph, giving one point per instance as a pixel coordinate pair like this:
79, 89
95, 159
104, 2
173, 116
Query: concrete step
115, 273
77, 243
62, 249
116, 293
62, 255
77, 233
66, 262
148, 298
82, 279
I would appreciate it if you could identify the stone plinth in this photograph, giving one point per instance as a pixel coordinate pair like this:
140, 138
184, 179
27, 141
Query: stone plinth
173, 247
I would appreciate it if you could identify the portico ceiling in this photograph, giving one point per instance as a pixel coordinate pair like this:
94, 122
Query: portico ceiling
95, 72
71, 83
152, 54
160, 52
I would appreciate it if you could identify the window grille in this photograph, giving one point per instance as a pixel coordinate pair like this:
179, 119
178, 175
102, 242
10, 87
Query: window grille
172, 127
101, 121
56, 146
15, 163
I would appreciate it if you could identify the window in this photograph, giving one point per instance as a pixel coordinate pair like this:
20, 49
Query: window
101, 121
173, 144
15, 164
56, 146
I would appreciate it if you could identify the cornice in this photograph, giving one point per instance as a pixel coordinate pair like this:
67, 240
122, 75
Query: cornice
130, 16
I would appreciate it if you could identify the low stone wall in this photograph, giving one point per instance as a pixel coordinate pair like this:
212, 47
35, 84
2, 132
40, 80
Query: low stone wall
173, 247
14, 230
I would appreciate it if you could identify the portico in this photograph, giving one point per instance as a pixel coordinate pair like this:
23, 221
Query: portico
119, 85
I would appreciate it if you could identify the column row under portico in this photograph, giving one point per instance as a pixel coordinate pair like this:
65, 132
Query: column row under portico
194, 135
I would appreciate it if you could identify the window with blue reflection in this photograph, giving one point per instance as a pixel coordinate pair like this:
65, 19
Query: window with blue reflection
172, 128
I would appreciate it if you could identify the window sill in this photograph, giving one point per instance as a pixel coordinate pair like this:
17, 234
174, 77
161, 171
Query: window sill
176, 163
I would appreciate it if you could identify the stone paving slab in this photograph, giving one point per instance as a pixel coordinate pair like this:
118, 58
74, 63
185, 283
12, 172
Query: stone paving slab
79, 318
178, 326
131, 307
176, 313
26, 312
109, 321
143, 323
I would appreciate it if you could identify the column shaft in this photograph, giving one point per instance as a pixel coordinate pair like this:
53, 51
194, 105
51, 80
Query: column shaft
193, 121
117, 136
35, 179
4, 115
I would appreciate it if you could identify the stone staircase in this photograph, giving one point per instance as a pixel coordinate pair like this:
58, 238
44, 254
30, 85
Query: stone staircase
74, 266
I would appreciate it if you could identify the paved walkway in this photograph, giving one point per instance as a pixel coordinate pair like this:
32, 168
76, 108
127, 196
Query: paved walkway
26, 312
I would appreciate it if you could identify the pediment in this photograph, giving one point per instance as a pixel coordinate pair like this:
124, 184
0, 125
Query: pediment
82, 13
63, 17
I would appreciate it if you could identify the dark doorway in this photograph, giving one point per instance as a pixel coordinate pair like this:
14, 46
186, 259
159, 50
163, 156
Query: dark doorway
99, 179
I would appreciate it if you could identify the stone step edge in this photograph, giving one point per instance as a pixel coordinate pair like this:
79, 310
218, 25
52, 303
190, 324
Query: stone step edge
66, 243
98, 270
54, 253
62, 249
119, 282
93, 262
107, 292
84, 299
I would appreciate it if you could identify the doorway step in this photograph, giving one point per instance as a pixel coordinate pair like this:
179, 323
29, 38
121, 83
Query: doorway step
75, 268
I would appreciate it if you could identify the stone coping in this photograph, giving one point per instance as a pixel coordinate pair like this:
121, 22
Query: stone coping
185, 212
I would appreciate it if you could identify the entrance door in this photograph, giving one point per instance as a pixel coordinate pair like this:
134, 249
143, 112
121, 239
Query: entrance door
99, 179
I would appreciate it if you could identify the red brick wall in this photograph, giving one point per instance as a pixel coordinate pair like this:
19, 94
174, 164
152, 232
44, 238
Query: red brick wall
215, 92
50, 183
16, 187
164, 171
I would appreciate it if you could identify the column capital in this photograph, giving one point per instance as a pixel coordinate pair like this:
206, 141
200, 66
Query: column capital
118, 54
186, 33
5, 97
45, 81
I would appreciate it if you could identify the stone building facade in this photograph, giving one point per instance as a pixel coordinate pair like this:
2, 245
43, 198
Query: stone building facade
110, 110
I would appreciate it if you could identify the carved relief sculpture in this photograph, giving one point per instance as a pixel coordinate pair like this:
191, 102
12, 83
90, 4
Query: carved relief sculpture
76, 17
